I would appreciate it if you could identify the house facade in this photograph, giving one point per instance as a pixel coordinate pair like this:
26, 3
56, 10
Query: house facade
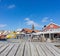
51, 31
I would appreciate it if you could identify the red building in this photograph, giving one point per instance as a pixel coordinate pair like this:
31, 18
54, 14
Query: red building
52, 30
51, 26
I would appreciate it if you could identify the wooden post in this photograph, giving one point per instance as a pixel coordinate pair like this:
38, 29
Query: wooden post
43, 35
49, 39
53, 36
43, 38
49, 35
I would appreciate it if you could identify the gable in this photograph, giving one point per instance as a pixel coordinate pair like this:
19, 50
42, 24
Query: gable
51, 26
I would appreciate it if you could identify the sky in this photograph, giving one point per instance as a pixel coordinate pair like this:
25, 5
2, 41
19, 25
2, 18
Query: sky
18, 14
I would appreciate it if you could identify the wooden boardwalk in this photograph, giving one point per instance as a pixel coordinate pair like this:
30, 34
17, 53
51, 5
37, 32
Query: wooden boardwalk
28, 49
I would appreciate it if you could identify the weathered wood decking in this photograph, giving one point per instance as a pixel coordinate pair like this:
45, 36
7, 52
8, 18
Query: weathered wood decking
28, 49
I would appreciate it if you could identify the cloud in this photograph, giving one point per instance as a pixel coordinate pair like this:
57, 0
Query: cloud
2, 25
51, 20
11, 6
45, 19
19, 29
31, 22
27, 19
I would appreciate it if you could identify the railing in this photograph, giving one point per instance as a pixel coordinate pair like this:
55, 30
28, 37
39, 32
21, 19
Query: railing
49, 31
52, 30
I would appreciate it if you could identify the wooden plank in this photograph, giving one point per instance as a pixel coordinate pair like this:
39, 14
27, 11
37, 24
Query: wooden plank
52, 50
47, 51
3, 48
20, 51
33, 50
40, 50
7, 50
55, 48
13, 51
27, 50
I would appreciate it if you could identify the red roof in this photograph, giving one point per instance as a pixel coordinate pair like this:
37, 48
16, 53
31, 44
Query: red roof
51, 26
26, 30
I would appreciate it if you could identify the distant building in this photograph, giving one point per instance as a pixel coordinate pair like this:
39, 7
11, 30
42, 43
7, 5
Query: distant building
28, 31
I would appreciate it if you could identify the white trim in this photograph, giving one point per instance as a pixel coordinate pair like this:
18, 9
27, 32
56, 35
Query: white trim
53, 23
47, 32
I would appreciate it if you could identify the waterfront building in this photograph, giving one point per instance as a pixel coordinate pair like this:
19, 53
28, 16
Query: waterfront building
51, 31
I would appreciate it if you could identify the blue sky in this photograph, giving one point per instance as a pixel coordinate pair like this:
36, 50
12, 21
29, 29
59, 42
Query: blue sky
18, 14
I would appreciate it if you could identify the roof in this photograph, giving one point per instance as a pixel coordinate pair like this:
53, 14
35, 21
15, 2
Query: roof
26, 30
36, 30
51, 26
